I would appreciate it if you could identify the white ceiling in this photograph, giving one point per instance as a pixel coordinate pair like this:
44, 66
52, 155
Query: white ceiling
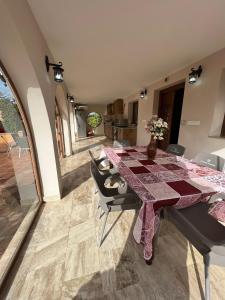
111, 49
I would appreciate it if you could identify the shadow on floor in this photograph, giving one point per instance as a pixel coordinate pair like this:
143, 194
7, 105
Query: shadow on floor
73, 179
75, 151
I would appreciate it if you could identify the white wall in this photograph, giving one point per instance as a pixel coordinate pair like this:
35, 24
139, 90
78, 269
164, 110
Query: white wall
22, 52
200, 104
72, 123
101, 109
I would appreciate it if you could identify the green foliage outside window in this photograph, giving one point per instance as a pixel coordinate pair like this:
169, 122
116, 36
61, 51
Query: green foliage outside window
94, 119
9, 116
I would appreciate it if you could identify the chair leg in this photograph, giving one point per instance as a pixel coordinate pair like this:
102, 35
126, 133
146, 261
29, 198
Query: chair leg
207, 279
98, 205
103, 228
99, 213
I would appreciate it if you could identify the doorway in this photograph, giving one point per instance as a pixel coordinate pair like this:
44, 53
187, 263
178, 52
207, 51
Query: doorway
135, 113
81, 116
170, 109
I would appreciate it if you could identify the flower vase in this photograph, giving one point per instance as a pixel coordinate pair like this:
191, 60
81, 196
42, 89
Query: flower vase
152, 148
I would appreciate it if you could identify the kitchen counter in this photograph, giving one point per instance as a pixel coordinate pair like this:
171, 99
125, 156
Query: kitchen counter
119, 133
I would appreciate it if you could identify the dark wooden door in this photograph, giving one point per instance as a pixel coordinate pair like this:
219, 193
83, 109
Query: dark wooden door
135, 113
59, 131
170, 107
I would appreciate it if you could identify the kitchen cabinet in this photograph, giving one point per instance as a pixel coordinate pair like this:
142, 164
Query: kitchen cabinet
125, 133
118, 107
110, 109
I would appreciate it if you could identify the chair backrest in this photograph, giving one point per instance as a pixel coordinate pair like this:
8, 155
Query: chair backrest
176, 149
91, 155
15, 137
94, 161
100, 182
22, 142
210, 160
121, 144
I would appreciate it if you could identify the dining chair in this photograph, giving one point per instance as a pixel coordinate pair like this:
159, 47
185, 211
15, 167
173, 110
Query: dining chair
110, 171
110, 200
176, 149
121, 144
96, 160
204, 232
210, 160
99, 162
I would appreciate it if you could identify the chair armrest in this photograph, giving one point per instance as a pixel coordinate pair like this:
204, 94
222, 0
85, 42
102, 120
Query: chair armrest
122, 196
216, 197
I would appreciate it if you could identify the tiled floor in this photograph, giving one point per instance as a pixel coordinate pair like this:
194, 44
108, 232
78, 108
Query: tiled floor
14, 172
61, 260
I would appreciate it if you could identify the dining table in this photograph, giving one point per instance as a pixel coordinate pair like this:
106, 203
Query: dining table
166, 180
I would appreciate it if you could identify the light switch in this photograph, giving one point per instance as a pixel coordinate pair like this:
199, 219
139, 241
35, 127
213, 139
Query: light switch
193, 123
190, 123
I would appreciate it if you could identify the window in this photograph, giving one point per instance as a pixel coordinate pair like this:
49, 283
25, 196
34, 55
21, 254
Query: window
94, 119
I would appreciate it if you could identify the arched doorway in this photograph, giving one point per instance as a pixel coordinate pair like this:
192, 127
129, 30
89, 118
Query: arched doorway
20, 191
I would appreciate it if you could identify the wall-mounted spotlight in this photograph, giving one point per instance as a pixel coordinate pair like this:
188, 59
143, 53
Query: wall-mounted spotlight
58, 70
195, 74
143, 93
70, 98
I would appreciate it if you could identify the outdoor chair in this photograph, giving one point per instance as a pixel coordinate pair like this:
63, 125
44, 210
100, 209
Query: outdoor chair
110, 200
204, 232
23, 145
121, 144
176, 149
210, 160
21, 142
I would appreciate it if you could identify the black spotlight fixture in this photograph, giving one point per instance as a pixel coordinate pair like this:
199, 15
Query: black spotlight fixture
195, 74
143, 93
70, 98
58, 70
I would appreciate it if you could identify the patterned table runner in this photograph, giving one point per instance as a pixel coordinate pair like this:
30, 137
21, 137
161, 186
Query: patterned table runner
166, 180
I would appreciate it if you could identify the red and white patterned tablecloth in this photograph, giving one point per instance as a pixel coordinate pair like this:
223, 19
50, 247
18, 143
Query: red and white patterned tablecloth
166, 180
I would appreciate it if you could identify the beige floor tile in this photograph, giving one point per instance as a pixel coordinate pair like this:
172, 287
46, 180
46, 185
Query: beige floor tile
81, 259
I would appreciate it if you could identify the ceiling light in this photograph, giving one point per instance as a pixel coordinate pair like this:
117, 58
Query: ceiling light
195, 74
58, 70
